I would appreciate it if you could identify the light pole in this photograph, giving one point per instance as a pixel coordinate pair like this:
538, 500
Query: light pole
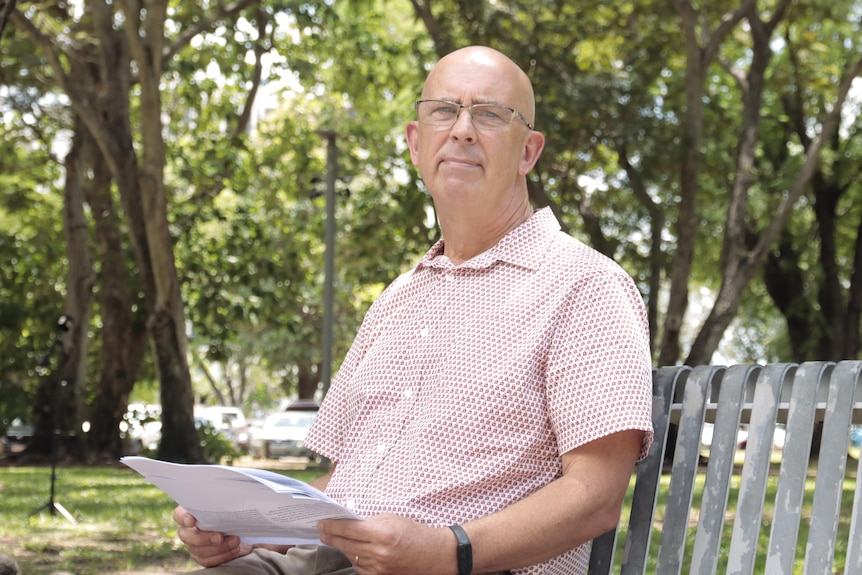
329, 259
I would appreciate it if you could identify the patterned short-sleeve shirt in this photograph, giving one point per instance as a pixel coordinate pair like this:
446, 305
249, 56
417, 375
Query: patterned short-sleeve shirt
466, 383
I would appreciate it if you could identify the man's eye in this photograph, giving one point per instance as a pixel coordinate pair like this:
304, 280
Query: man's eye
444, 110
488, 112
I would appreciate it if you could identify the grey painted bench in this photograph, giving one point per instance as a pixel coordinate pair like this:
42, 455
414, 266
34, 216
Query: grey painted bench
794, 396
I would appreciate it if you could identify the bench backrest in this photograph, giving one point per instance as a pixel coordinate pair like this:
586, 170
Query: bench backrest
789, 397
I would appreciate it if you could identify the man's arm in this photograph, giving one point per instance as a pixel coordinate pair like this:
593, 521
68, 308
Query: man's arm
579, 506
321, 482
582, 504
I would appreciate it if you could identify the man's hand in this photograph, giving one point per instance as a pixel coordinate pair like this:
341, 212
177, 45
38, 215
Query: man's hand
207, 548
391, 545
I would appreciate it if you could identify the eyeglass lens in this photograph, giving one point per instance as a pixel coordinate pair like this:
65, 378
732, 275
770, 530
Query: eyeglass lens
485, 116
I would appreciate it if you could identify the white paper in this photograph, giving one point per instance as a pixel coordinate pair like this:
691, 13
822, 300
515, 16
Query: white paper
257, 505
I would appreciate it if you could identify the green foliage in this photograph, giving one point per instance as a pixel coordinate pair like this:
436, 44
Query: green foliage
250, 218
216, 446
33, 275
246, 205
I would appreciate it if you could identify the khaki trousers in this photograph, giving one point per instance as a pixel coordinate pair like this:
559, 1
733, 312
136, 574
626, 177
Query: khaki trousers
300, 560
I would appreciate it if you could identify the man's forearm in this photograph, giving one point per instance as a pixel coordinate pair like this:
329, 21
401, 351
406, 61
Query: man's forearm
572, 510
322, 481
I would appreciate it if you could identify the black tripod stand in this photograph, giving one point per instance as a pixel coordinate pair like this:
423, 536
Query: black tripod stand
64, 324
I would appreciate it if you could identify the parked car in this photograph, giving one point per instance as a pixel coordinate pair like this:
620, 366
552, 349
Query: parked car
854, 445
231, 421
17, 436
741, 441
283, 435
301, 405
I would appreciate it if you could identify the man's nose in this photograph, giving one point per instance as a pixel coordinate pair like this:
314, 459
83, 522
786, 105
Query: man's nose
463, 127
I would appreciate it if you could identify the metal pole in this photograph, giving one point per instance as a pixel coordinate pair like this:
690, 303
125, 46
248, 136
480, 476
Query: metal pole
329, 261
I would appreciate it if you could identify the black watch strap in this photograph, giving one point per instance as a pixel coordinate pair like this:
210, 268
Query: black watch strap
465, 550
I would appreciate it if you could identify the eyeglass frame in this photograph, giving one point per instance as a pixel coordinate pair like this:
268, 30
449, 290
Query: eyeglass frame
469, 108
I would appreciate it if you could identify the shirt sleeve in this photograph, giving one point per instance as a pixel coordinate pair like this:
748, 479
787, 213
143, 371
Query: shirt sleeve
599, 377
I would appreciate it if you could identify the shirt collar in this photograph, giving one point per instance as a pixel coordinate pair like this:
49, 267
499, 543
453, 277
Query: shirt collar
524, 246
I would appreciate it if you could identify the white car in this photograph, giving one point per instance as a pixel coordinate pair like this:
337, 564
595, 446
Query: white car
283, 435
230, 420
742, 441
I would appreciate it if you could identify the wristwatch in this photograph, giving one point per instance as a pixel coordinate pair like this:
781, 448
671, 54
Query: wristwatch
465, 550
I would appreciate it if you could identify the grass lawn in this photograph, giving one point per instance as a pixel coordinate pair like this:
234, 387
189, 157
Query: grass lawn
123, 524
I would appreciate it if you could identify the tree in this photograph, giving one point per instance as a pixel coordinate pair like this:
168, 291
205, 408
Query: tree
812, 274
253, 257
710, 151
739, 262
616, 68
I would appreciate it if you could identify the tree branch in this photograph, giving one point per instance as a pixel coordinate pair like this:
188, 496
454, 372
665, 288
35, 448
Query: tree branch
6, 8
203, 24
812, 158
257, 76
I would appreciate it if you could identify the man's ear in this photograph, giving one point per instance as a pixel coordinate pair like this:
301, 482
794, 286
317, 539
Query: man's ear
413, 141
532, 150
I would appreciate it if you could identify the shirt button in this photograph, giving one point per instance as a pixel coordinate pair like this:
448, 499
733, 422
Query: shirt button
449, 277
350, 504
381, 448
408, 393
423, 332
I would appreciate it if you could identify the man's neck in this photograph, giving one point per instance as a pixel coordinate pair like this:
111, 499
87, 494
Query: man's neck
466, 238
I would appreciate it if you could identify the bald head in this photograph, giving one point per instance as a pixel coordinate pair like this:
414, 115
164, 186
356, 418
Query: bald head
513, 87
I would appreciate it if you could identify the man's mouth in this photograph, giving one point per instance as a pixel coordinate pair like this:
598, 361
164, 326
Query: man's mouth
459, 162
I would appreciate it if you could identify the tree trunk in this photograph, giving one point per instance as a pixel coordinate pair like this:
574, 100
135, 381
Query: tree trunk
136, 44
6, 8
80, 277
167, 318
785, 282
123, 333
657, 221
53, 419
308, 380
854, 301
698, 60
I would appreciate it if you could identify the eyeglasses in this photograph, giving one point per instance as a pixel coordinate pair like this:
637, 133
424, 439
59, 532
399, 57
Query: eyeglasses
489, 117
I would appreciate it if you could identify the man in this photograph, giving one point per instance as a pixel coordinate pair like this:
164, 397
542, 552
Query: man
491, 408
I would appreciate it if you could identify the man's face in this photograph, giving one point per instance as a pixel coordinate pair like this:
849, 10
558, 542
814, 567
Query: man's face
461, 165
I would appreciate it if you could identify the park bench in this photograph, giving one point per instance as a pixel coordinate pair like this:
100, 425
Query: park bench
728, 517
